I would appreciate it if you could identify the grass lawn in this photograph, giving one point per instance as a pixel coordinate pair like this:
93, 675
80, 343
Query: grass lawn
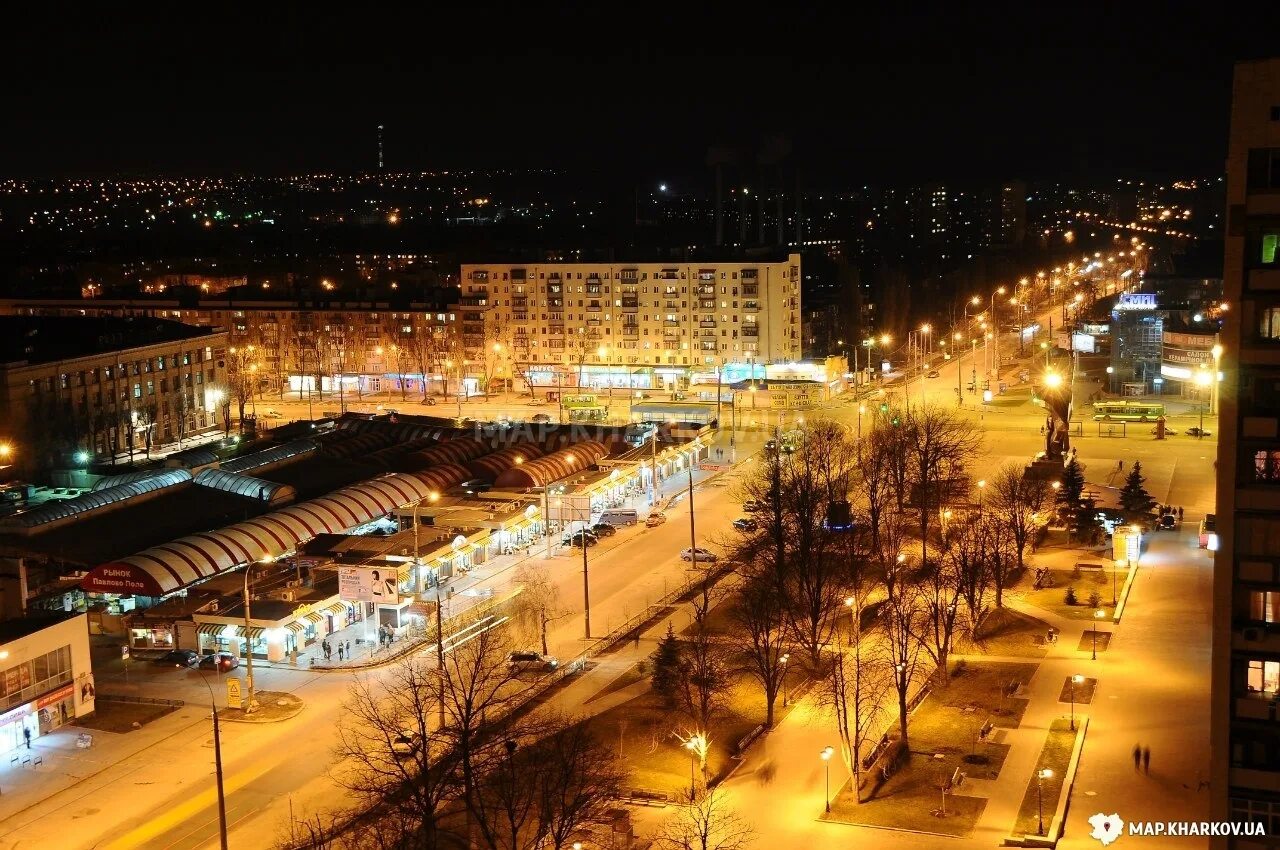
1055, 756
112, 716
1083, 691
1006, 632
944, 737
644, 732
1087, 641
1054, 598
628, 678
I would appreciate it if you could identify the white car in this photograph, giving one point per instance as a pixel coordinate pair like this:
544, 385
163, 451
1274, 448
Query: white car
655, 519
272, 413
405, 744
530, 660
703, 555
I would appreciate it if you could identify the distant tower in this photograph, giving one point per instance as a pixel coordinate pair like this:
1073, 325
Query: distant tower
379, 147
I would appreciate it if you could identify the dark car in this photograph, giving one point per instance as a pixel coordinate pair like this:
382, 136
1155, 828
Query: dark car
1168, 522
933, 373
580, 538
744, 523
770, 445
220, 661
429, 401
1197, 432
603, 529
540, 418
177, 658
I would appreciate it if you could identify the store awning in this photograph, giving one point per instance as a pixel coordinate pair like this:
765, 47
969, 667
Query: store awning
297, 627
315, 616
214, 629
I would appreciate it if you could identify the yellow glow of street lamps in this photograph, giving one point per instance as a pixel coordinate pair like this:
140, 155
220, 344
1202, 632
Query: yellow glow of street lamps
827, 753
1052, 380
1217, 349
885, 339
5, 450
975, 300
1202, 378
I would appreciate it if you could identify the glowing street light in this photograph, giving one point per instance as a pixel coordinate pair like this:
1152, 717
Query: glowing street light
1041, 776
826, 758
1075, 680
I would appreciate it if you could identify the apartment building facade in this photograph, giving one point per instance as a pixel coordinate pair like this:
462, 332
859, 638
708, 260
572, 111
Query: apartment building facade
633, 325
76, 388
1245, 723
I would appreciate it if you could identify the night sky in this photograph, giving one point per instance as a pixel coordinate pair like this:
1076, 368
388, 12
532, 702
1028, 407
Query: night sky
635, 88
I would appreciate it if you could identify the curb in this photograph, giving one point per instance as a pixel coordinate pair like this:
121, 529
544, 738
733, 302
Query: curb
1124, 593
1057, 825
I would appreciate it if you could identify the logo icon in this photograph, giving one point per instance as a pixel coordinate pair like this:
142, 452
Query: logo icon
1106, 828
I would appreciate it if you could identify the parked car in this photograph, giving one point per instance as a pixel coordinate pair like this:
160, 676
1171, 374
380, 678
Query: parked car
1168, 522
1197, 432
752, 506
1168, 432
540, 418
770, 446
405, 744
220, 661
536, 402
271, 413
933, 373
528, 660
603, 529
178, 658
580, 538
620, 516
655, 519
703, 555
744, 523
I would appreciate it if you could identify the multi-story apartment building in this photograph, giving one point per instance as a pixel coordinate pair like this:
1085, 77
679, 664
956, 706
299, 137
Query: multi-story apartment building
1245, 735
633, 325
329, 347
93, 386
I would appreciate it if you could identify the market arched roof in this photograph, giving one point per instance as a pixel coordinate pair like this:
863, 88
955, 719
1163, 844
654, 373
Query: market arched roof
360, 444
553, 467
127, 478
47, 515
164, 569
270, 457
494, 464
258, 489
450, 451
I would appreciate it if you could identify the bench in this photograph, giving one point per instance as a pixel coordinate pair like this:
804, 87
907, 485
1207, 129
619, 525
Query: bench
646, 797
39, 760
1012, 688
741, 747
985, 730
1091, 566
956, 780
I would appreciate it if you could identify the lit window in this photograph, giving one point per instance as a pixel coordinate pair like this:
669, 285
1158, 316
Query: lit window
1264, 677
1264, 606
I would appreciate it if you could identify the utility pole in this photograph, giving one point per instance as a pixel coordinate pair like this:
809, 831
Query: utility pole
248, 642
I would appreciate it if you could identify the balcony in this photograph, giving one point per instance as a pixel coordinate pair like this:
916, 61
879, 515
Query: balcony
519, 317
707, 346
751, 306
750, 274
669, 274
631, 303
1264, 280
671, 323
707, 323
750, 331
474, 301
707, 305
556, 318
594, 289
706, 289
593, 307
630, 330
751, 290
555, 303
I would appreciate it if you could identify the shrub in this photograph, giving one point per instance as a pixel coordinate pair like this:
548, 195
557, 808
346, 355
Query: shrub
1070, 596
1094, 599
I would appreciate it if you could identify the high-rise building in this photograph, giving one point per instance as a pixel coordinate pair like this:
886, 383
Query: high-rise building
1245, 736
634, 325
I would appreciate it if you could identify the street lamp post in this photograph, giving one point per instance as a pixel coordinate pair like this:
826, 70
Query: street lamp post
826, 758
1041, 776
995, 326
1203, 381
248, 641
217, 764
1111, 379
786, 656
1075, 680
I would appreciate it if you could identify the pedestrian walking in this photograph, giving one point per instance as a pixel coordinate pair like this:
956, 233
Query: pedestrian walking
26, 734
339, 651
1146, 759
1137, 757
1179, 513
348, 649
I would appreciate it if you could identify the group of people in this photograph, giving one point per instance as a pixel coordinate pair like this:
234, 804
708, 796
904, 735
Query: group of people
386, 635
1142, 758
1161, 510
344, 650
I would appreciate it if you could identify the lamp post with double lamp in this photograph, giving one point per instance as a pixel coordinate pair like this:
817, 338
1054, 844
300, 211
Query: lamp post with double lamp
1075, 680
1097, 618
1217, 375
248, 641
1041, 776
995, 326
826, 755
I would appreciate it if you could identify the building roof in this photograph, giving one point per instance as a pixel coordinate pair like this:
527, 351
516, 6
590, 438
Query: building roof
48, 339
11, 630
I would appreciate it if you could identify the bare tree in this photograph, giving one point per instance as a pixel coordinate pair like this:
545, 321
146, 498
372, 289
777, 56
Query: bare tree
1016, 499
855, 688
970, 552
707, 823
578, 782
702, 675
537, 605
939, 444
876, 484
760, 624
388, 753
940, 590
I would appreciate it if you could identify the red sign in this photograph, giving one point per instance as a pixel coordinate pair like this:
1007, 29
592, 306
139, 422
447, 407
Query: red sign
57, 696
121, 578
